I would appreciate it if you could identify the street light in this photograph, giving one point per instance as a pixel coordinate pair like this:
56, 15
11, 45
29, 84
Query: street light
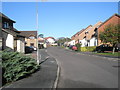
38, 59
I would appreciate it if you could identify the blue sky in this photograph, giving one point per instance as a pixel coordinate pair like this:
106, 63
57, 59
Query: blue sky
58, 19
61, 0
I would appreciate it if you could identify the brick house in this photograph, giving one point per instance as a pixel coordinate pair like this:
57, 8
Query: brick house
87, 37
83, 36
114, 20
76, 36
91, 37
10, 36
80, 37
30, 38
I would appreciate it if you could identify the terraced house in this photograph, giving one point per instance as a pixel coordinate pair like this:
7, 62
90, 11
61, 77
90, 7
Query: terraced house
10, 37
88, 36
91, 35
113, 20
80, 37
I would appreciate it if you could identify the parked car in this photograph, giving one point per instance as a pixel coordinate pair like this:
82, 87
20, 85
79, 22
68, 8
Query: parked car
34, 48
70, 46
74, 48
28, 49
40, 46
103, 48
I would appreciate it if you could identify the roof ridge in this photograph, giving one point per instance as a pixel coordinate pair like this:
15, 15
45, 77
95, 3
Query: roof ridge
25, 31
110, 18
3, 15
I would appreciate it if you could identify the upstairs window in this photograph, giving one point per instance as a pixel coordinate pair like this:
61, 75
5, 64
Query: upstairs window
86, 32
5, 25
31, 37
84, 37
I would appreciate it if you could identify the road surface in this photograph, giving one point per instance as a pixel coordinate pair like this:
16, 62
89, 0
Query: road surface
85, 71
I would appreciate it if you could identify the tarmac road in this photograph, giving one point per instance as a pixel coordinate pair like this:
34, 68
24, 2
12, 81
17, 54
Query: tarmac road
85, 71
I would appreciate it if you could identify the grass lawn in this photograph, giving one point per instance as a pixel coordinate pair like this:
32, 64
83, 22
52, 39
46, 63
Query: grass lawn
62, 47
110, 54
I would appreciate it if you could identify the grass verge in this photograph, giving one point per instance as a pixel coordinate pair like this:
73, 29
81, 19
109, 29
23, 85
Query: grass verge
117, 54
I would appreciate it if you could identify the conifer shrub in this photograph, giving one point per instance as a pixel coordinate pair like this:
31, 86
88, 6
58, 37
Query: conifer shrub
16, 66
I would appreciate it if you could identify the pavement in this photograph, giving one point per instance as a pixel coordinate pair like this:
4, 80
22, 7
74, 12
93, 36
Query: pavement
45, 77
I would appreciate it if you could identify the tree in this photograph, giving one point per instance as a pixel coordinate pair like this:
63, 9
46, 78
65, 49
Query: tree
111, 35
61, 41
41, 35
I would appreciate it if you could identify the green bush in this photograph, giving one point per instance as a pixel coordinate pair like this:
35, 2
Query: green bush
88, 49
16, 66
78, 45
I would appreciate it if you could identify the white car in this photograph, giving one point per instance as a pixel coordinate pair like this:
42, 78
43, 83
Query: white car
33, 48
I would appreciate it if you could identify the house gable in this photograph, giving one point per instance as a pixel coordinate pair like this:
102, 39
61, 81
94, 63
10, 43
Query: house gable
113, 20
27, 34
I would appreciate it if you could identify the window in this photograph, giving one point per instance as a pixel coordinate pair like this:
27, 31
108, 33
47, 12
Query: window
31, 37
5, 25
84, 37
88, 40
86, 32
31, 44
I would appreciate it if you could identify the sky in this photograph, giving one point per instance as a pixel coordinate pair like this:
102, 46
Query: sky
58, 19
60, 0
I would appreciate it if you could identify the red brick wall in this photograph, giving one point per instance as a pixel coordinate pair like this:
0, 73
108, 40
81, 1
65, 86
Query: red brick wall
113, 20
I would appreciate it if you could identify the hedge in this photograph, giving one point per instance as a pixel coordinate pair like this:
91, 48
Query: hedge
88, 49
78, 45
16, 66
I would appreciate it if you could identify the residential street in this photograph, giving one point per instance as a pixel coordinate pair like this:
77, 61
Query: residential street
60, 44
85, 71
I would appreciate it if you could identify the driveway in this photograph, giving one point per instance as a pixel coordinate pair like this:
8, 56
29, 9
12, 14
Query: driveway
85, 71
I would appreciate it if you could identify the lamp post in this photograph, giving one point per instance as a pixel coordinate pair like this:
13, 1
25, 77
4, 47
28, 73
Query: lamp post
38, 59
37, 27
